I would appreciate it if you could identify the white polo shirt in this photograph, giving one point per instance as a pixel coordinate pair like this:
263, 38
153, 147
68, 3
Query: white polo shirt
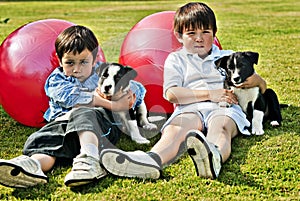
183, 69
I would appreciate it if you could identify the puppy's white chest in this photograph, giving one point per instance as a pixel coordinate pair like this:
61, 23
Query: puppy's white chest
246, 95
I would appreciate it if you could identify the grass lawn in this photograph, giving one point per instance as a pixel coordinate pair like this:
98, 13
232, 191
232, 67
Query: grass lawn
260, 167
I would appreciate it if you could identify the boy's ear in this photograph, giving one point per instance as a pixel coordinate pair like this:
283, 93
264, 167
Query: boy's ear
253, 56
59, 61
178, 36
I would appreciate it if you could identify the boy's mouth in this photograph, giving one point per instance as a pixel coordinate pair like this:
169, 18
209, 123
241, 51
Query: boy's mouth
199, 46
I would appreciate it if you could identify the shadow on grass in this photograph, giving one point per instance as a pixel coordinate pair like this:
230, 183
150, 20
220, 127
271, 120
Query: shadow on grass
231, 173
39, 192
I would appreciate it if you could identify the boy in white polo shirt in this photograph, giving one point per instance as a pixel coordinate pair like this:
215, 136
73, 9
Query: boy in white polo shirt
198, 124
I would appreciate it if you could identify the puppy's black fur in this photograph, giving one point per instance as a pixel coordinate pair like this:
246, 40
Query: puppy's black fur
238, 67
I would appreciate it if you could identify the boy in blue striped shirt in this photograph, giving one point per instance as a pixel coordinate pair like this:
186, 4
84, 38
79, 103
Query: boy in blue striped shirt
80, 134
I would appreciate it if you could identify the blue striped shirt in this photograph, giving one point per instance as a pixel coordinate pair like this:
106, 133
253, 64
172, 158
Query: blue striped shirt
139, 90
65, 92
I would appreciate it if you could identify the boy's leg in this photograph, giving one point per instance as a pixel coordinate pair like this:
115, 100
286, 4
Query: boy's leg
207, 152
221, 129
166, 150
46, 161
95, 131
171, 145
22, 171
86, 166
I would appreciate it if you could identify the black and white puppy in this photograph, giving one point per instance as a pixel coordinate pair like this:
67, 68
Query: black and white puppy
115, 80
238, 67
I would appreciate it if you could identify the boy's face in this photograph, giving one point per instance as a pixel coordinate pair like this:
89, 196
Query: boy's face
78, 65
198, 41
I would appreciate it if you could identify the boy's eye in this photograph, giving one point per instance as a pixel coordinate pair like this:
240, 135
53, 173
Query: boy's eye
69, 62
190, 33
84, 62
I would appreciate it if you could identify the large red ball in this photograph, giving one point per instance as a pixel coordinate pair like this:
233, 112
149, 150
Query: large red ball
27, 57
146, 48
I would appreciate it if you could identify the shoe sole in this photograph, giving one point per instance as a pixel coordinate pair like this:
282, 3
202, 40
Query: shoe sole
120, 164
81, 182
201, 155
12, 175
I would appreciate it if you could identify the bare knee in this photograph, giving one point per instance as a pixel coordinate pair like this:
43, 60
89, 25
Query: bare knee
187, 121
220, 132
223, 125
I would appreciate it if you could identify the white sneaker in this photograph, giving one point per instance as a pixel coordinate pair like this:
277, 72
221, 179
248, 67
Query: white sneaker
206, 157
130, 164
86, 169
21, 172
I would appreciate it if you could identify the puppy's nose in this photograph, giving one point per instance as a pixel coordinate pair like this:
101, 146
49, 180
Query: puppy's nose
107, 88
236, 79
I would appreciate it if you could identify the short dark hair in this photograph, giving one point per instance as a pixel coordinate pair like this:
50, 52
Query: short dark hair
76, 39
193, 16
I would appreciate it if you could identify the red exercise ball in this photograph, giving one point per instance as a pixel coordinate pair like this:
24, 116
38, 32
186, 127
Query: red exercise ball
27, 57
146, 48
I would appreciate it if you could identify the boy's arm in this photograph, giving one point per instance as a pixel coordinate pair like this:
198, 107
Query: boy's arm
123, 103
255, 80
67, 95
181, 95
66, 91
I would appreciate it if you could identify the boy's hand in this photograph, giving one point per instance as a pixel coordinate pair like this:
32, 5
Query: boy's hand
250, 82
125, 102
254, 81
129, 98
223, 95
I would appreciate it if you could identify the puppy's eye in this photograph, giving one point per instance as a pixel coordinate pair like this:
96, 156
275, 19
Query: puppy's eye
231, 67
105, 74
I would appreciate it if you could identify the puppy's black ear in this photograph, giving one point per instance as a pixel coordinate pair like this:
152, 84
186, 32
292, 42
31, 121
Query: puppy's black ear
222, 62
130, 72
253, 56
102, 66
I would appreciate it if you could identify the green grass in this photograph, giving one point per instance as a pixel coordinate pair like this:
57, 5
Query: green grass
260, 167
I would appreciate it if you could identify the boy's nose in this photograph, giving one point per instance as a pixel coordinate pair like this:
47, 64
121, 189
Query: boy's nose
198, 38
77, 69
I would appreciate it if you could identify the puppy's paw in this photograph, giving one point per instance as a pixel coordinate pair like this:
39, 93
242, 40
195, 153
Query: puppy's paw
257, 125
257, 131
150, 126
274, 123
